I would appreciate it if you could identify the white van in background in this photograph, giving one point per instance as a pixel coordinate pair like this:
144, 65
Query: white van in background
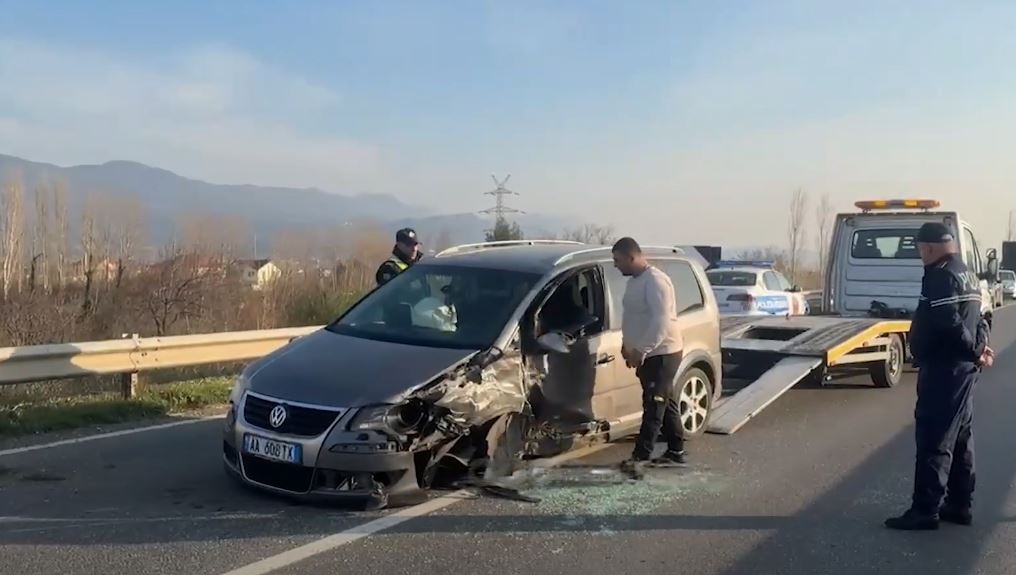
874, 263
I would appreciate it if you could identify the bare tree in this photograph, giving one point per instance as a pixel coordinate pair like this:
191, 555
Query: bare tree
61, 233
106, 213
11, 234
89, 249
227, 239
796, 229
128, 229
590, 234
41, 240
171, 290
770, 254
371, 243
294, 244
824, 215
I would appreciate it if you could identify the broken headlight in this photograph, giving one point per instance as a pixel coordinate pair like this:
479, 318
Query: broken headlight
401, 418
235, 395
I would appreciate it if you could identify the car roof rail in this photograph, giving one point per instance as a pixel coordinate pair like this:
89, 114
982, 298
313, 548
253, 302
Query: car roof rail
503, 243
566, 257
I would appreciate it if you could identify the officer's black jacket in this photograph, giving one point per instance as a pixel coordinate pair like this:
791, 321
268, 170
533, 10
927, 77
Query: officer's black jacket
947, 325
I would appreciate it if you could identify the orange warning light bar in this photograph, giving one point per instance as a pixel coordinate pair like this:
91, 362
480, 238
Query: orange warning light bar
897, 204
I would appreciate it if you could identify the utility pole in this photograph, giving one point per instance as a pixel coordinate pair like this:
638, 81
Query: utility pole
499, 209
499, 192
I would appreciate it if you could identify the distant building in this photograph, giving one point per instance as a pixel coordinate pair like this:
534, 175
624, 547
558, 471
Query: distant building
258, 273
191, 263
102, 270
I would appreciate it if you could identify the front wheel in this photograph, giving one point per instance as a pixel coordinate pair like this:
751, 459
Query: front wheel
694, 402
888, 373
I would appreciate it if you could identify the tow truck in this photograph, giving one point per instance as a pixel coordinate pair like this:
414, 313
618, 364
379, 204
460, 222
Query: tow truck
872, 286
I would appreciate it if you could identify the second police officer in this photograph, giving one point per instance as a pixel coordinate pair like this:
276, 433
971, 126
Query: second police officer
949, 343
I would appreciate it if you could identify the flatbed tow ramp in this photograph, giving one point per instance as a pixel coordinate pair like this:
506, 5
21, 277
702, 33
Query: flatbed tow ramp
778, 352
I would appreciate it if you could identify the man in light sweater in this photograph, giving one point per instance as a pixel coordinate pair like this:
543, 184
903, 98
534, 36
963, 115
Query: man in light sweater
652, 345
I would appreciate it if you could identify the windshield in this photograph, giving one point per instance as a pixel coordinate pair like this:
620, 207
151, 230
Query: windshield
885, 244
439, 306
731, 278
1007, 275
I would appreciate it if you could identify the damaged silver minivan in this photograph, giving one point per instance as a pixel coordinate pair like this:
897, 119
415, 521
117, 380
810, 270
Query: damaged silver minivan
462, 366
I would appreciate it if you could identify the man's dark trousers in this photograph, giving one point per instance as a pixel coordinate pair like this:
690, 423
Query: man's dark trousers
660, 410
945, 437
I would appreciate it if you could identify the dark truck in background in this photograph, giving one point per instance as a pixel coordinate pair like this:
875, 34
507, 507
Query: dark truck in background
1007, 271
1008, 256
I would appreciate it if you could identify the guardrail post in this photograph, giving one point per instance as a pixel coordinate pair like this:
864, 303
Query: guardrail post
129, 381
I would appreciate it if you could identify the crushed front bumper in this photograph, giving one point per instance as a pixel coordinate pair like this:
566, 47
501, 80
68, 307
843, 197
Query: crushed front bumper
325, 473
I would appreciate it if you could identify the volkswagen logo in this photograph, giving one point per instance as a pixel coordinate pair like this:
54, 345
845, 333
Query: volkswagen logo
277, 416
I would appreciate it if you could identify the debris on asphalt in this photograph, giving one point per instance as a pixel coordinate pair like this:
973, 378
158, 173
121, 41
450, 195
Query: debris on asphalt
602, 490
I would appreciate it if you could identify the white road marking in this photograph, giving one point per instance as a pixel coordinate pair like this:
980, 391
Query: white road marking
109, 435
352, 534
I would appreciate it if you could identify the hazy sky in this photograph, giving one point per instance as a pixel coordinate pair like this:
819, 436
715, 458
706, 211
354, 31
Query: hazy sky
679, 122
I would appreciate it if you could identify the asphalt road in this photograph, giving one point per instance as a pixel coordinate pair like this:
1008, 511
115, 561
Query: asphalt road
802, 489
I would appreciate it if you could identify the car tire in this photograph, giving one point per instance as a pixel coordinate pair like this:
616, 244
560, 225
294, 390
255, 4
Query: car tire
888, 373
694, 395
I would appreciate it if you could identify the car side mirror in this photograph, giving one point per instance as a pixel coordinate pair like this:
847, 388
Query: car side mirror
990, 273
992, 266
794, 289
556, 341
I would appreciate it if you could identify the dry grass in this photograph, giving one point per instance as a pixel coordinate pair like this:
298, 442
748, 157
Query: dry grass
48, 415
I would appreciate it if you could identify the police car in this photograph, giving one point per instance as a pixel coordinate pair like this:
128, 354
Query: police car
754, 288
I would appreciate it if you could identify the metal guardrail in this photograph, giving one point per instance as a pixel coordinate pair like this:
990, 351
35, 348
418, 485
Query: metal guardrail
132, 355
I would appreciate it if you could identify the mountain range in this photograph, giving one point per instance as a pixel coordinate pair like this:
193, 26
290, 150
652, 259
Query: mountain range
169, 198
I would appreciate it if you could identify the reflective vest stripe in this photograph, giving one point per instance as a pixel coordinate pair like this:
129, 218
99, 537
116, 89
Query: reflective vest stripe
401, 264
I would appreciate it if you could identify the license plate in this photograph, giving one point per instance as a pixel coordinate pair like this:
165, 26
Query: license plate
272, 449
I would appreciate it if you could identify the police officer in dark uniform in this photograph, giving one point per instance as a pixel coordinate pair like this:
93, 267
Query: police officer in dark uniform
405, 253
949, 343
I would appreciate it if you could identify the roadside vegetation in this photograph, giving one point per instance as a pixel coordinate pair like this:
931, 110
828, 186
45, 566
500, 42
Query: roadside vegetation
48, 415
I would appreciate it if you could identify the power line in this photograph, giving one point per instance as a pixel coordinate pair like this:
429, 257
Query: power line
499, 192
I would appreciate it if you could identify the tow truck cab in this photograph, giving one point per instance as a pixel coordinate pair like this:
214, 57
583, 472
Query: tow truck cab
874, 264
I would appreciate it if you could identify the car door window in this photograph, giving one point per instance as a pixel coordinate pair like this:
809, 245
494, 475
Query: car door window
576, 300
616, 283
771, 282
688, 292
971, 253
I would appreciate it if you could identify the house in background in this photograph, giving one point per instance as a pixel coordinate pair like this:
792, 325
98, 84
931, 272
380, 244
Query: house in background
258, 273
102, 270
189, 263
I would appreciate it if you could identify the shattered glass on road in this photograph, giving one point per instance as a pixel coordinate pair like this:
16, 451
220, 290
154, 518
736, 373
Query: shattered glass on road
603, 490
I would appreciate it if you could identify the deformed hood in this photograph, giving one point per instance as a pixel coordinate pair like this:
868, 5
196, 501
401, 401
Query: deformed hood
327, 368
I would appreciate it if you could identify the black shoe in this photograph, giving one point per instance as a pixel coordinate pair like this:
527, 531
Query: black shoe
913, 521
634, 468
957, 514
671, 458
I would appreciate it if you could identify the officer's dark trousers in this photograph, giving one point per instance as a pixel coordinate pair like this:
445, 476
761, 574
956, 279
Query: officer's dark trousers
945, 438
660, 411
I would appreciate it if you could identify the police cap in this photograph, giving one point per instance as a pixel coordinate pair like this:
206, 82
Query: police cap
934, 233
406, 236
